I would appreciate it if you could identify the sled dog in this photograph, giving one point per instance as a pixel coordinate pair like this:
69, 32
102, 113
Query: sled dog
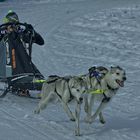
66, 89
99, 84
103, 84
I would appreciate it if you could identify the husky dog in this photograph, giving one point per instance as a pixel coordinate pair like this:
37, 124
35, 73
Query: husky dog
100, 83
108, 82
66, 89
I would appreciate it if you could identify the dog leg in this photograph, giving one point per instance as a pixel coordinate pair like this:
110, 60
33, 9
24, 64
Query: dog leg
67, 110
86, 104
99, 109
90, 105
101, 118
42, 104
77, 116
89, 108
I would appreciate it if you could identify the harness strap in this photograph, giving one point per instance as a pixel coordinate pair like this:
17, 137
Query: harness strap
100, 91
111, 88
57, 92
106, 99
67, 80
39, 81
97, 91
52, 81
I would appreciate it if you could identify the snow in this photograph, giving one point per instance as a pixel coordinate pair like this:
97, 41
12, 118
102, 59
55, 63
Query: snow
78, 34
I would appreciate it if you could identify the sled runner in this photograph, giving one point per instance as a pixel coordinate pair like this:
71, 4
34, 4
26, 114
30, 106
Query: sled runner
18, 74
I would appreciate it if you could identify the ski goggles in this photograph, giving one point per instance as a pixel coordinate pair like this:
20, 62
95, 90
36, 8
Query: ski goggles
9, 20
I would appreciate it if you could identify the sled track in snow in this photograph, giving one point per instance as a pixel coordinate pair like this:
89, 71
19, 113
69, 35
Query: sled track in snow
51, 125
28, 128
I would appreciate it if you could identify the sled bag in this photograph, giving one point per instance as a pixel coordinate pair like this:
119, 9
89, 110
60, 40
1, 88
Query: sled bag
2, 59
20, 60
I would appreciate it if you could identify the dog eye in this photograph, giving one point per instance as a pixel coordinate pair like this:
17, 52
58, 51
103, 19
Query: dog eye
118, 73
78, 90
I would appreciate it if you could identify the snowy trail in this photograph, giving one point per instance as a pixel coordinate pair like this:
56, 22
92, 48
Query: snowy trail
78, 35
26, 128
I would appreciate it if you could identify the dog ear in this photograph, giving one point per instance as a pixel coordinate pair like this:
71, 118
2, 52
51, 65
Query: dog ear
90, 70
112, 69
101, 68
119, 67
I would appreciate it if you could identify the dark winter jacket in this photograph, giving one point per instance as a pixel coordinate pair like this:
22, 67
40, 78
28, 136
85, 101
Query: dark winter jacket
36, 38
1, 36
26, 36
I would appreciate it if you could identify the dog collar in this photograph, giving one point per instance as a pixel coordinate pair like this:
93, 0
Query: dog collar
110, 88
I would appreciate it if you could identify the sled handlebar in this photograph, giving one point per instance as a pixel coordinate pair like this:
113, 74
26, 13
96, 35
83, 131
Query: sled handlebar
5, 25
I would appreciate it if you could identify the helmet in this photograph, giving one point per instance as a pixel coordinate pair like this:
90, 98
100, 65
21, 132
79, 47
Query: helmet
11, 17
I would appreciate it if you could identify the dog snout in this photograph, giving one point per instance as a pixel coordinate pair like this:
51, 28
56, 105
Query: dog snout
80, 100
124, 78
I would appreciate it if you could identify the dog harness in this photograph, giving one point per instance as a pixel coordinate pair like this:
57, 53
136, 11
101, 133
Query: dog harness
97, 75
63, 78
97, 91
100, 91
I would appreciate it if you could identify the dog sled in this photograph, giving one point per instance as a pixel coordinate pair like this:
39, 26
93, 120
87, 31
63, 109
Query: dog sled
18, 74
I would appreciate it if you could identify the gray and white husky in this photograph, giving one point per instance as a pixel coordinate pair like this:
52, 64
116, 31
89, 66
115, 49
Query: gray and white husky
66, 89
100, 83
108, 82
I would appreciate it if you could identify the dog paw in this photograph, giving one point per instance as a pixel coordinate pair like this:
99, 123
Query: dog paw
102, 121
91, 120
72, 119
87, 119
77, 133
37, 111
